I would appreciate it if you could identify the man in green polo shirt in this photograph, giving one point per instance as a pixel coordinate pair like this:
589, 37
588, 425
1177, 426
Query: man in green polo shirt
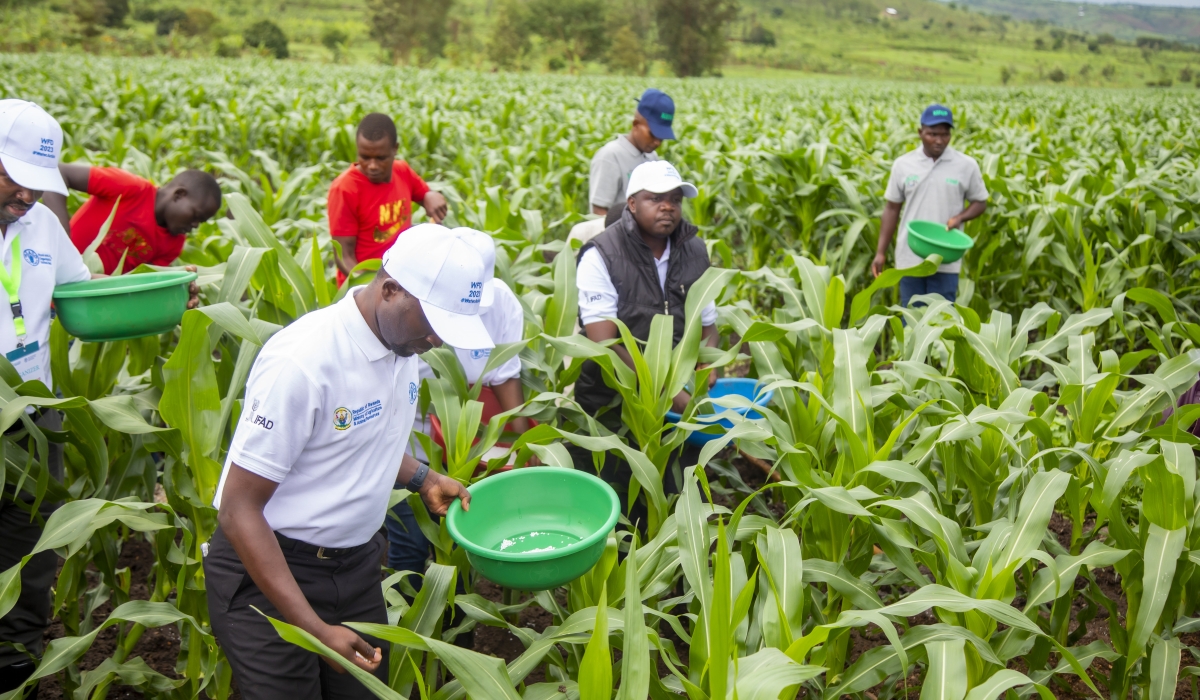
930, 183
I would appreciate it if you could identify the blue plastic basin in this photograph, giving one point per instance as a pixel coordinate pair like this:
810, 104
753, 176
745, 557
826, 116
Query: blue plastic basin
748, 388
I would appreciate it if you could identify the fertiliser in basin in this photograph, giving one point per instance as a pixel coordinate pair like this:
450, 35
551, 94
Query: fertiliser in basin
125, 307
537, 528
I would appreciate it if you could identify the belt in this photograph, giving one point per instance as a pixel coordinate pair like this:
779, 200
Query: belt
290, 545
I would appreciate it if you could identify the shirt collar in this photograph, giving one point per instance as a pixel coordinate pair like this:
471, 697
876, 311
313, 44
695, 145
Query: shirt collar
633, 150
356, 326
666, 253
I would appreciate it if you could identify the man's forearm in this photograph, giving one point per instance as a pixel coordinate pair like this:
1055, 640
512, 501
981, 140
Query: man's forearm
257, 548
57, 203
599, 211
887, 227
348, 259
511, 395
973, 211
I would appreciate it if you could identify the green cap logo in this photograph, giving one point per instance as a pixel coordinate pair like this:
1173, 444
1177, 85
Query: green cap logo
940, 113
667, 117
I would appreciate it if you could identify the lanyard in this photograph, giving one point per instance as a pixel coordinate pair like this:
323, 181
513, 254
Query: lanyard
11, 279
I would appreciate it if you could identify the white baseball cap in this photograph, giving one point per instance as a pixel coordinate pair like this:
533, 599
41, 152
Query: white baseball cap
486, 247
658, 176
30, 143
446, 275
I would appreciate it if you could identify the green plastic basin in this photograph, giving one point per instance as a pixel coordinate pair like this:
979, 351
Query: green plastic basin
120, 308
536, 528
927, 237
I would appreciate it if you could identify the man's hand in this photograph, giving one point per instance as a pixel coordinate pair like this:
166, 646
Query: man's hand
435, 206
953, 223
878, 264
354, 648
439, 492
193, 290
680, 402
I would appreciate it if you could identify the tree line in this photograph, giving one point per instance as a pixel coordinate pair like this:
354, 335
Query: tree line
625, 35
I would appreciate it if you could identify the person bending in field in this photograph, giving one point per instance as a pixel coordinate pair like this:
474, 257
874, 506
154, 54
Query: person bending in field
615, 161
641, 266
371, 203
151, 223
929, 184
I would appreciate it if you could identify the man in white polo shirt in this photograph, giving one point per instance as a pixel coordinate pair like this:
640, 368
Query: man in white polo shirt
929, 184
328, 409
35, 256
502, 316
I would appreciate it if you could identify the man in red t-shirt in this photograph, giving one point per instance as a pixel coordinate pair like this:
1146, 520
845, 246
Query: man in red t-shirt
151, 224
371, 203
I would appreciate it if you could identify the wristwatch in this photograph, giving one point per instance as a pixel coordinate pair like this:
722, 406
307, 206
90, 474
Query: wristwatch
418, 480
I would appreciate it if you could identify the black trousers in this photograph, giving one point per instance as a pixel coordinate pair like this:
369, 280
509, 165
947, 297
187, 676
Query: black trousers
19, 532
344, 588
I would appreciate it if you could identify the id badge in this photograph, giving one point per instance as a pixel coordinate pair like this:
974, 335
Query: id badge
29, 360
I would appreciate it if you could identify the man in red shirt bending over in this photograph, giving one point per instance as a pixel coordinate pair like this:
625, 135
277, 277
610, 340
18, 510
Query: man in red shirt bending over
371, 203
151, 224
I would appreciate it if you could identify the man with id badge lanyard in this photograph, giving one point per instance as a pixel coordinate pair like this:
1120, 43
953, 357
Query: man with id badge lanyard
36, 255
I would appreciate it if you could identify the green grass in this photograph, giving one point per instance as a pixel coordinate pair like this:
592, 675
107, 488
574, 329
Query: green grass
926, 41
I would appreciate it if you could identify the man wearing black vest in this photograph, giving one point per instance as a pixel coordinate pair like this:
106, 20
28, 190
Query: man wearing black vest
642, 265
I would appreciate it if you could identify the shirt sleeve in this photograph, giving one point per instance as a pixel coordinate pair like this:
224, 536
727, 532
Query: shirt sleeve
69, 266
597, 295
512, 331
976, 190
708, 315
893, 193
343, 219
110, 183
602, 181
278, 416
416, 185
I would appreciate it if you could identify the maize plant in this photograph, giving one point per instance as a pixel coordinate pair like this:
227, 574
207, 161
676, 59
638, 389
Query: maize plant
996, 497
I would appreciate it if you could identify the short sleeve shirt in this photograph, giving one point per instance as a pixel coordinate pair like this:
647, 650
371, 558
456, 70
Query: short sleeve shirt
374, 214
611, 167
327, 414
932, 191
134, 233
47, 259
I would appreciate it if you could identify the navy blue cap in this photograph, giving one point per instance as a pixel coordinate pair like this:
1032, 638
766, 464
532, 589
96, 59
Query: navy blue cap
937, 114
659, 111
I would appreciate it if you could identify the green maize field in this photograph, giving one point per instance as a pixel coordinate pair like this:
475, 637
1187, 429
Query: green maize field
956, 501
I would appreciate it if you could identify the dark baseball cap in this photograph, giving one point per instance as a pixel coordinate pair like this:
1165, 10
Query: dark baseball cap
937, 114
659, 111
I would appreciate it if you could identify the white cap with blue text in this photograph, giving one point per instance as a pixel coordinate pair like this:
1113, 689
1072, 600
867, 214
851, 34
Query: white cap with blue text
486, 247
447, 276
658, 176
30, 143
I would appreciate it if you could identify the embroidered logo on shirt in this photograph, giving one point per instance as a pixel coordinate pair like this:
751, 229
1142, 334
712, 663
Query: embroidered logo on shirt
262, 420
413, 389
35, 258
370, 411
951, 181
341, 418
480, 354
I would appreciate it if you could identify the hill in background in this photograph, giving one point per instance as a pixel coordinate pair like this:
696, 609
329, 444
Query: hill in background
1123, 20
908, 40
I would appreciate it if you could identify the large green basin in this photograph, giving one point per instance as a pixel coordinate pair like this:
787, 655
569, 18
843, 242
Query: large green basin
120, 308
537, 528
927, 238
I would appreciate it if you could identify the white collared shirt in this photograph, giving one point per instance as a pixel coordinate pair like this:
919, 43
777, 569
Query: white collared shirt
598, 295
47, 259
327, 414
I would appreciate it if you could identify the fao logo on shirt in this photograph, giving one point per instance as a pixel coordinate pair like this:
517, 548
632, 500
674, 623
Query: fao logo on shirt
413, 390
480, 354
35, 258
